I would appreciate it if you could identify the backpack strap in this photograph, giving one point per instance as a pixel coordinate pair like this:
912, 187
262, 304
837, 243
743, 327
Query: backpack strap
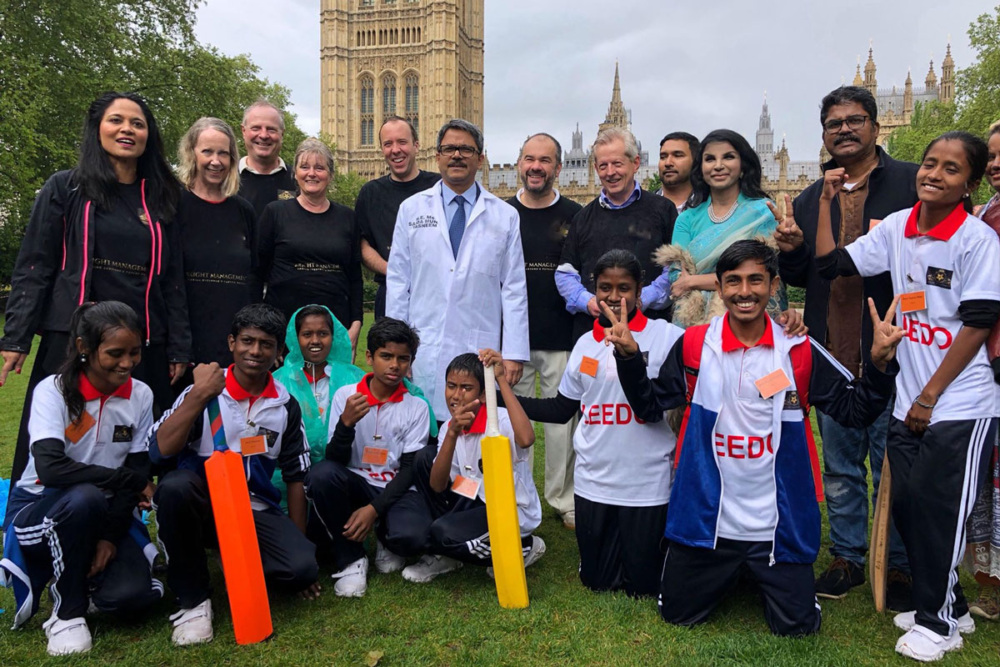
693, 342
801, 356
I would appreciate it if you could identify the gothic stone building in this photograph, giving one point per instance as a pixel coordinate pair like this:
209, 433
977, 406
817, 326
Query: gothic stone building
421, 59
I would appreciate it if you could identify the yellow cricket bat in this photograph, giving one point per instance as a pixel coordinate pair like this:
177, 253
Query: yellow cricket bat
878, 557
501, 508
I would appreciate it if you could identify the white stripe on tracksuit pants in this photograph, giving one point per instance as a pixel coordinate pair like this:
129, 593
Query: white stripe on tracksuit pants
935, 479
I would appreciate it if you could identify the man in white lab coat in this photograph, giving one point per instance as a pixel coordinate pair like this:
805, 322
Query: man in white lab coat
456, 269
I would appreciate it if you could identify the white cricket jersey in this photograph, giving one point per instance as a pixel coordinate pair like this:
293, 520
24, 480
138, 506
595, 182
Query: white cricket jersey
114, 426
397, 426
619, 459
743, 443
956, 261
468, 462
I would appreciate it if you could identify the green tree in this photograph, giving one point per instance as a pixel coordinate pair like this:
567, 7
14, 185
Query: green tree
652, 183
977, 90
56, 56
929, 120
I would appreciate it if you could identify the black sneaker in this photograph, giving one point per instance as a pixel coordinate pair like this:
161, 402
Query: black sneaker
899, 591
840, 577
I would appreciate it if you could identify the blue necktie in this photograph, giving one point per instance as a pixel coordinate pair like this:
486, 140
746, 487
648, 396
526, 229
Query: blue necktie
457, 228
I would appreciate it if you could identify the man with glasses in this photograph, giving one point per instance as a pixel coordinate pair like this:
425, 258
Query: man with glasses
456, 270
837, 315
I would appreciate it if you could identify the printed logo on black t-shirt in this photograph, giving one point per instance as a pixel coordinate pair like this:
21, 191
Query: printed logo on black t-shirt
122, 433
285, 194
141, 214
792, 401
939, 277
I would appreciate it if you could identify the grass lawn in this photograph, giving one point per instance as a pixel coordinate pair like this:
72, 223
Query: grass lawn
456, 620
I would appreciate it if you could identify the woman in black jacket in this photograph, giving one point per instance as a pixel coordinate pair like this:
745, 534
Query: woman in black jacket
102, 232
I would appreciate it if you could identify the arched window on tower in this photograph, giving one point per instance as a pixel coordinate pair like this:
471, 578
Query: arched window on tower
367, 86
413, 101
388, 95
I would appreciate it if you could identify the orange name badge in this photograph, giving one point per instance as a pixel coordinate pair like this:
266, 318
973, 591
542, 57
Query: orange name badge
466, 487
772, 383
79, 428
911, 302
873, 223
588, 366
375, 456
254, 444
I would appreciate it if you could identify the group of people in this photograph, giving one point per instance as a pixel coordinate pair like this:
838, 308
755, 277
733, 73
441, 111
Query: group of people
675, 381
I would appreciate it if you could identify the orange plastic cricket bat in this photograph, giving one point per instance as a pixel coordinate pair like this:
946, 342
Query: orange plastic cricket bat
501, 508
227, 486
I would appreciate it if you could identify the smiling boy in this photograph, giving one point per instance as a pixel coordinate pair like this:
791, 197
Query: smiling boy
368, 467
251, 405
746, 486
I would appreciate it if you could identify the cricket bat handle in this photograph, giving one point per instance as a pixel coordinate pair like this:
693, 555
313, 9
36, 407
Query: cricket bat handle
492, 425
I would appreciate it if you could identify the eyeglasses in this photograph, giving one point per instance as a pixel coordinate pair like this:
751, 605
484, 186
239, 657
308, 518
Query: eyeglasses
464, 151
853, 123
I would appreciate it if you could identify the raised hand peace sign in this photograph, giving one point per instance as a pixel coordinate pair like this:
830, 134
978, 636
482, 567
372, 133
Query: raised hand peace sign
886, 334
618, 334
787, 233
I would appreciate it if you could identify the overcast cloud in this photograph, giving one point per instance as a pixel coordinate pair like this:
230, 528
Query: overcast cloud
690, 66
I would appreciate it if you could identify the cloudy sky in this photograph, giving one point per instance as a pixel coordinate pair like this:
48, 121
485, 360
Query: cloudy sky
684, 65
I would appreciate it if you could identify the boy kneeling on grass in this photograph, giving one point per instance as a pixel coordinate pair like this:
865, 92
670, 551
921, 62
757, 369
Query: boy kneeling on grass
747, 482
451, 483
368, 468
264, 424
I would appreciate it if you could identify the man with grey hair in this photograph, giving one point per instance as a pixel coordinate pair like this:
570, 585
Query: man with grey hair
456, 269
621, 217
264, 177
545, 220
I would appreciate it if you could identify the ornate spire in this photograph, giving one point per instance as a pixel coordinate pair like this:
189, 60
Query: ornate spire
617, 115
858, 81
908, 95
931, 80
947, 76
765, 135
870, 82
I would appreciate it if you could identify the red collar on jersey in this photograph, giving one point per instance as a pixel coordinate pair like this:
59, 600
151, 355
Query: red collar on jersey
314, 377
364, 387
942, 231
637, 323
479, 423
92, 393
238, 393
730, 343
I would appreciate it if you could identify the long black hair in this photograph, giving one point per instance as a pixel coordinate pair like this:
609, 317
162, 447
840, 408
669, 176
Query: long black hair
96, 177
90, 323
750, 185
976, 154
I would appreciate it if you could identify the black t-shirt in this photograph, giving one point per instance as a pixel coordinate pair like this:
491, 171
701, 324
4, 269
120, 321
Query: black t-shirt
543, 230
311, 258
219, 241
262, 189
377, 205
641, 228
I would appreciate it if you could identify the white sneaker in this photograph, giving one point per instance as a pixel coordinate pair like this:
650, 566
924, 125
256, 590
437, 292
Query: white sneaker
66, 637
193, 626
926, 645
536, 551
907, 620
430, 567
386, 561
352, 581
569, 519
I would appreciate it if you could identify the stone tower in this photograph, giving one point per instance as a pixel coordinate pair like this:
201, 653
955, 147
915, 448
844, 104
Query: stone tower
765, 135
617, 115
908, 96
947, 76
870, 83
931, 81
421, 59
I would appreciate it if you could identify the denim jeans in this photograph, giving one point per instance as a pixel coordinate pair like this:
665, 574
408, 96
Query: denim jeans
846, 486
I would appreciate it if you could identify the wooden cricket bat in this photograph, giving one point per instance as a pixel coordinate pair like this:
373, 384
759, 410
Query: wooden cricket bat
501, 508
878, 557
227, 486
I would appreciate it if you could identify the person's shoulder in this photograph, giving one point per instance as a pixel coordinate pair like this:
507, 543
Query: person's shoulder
340, 209
244, 206
428, 178
50, 388
568, 206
